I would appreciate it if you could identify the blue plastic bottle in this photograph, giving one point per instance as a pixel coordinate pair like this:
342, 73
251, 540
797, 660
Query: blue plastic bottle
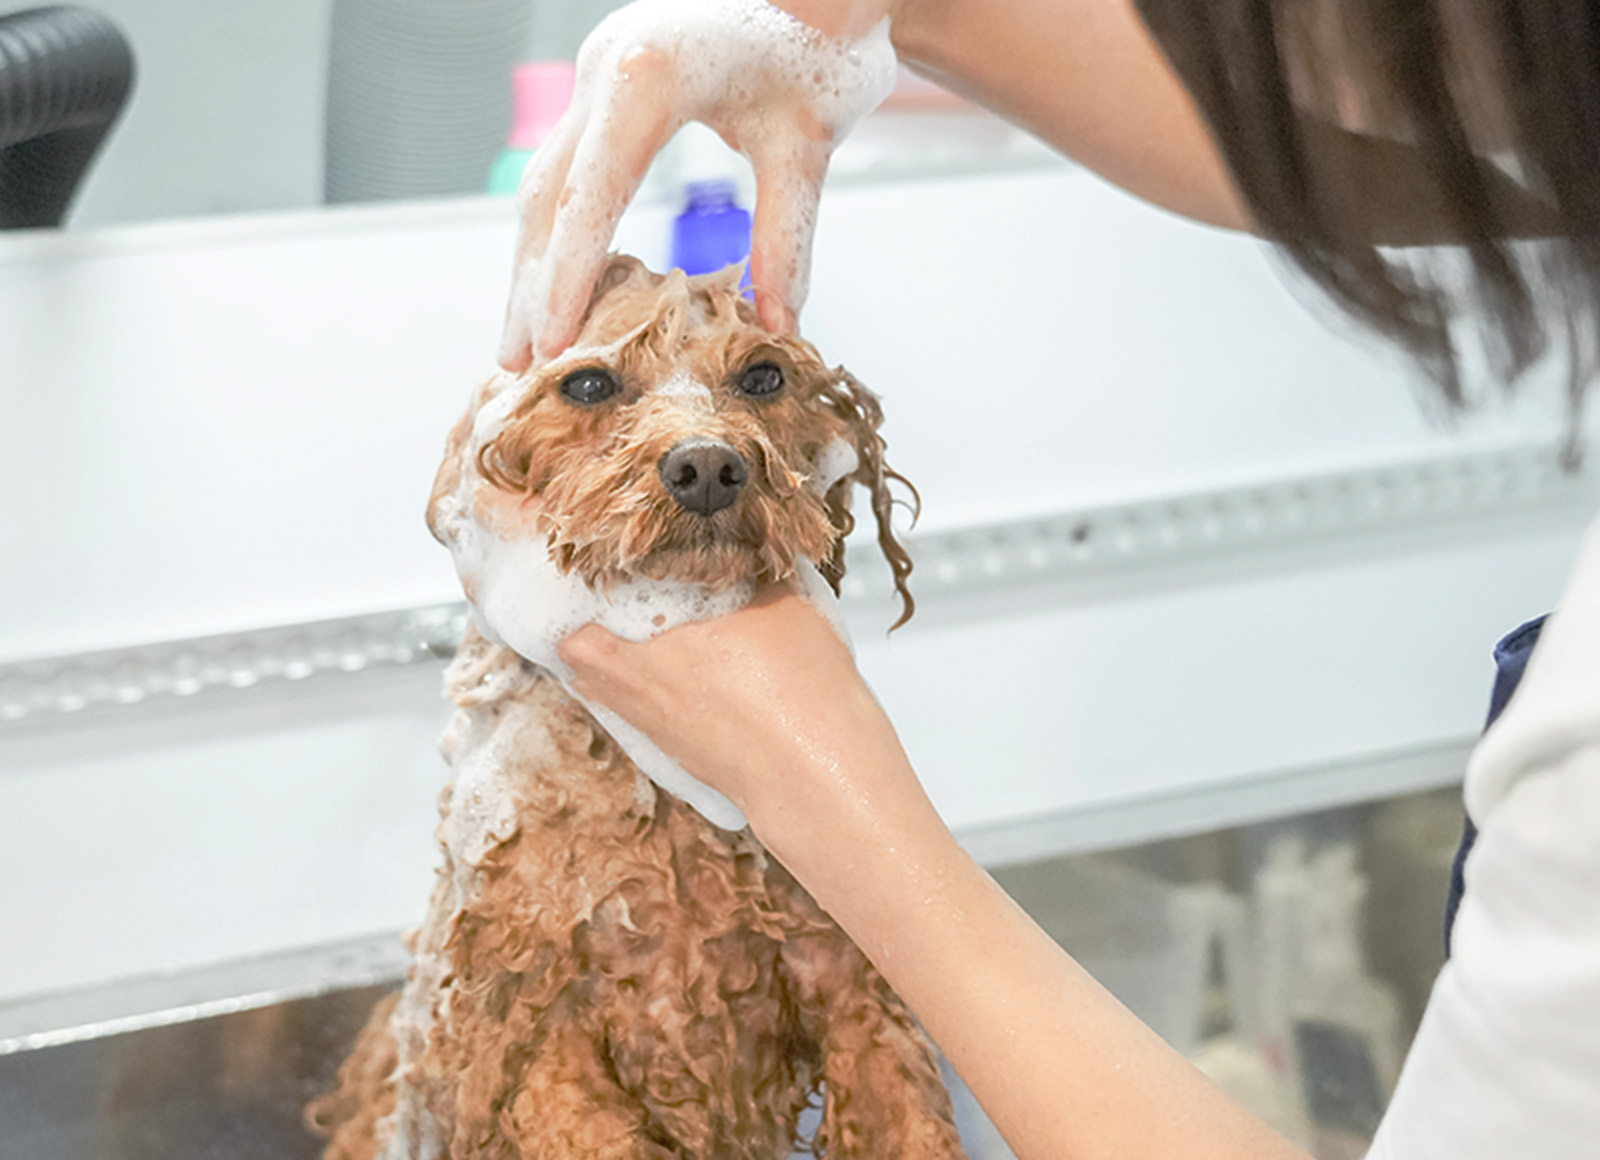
712, 232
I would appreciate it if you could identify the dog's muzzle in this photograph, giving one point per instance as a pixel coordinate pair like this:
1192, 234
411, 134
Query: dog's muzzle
703, 475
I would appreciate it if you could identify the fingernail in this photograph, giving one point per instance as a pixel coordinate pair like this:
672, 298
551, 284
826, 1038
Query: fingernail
551, 342
513, 356
550, 345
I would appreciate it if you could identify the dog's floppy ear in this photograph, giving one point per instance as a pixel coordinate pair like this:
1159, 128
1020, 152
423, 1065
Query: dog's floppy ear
859, 408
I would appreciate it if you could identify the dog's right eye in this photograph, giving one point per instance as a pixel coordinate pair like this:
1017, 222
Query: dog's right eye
762, 381
589, 386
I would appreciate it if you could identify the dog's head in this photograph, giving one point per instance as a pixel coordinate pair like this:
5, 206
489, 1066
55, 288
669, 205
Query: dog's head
679, 440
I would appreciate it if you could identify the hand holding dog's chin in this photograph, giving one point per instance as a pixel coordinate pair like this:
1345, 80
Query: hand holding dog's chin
765, 705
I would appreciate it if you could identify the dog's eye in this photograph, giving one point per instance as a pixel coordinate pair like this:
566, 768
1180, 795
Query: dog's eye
761, 381
589, 386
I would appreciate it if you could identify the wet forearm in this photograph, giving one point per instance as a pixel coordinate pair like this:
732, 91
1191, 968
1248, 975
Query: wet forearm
766, 705
1086, 76
1061, 1067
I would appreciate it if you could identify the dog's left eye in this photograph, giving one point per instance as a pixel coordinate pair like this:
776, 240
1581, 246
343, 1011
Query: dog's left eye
762, 380
589, 386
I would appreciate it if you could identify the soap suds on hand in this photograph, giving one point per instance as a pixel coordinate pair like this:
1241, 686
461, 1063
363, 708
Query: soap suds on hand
732, 62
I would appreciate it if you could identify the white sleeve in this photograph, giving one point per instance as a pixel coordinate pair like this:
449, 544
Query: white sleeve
1506, 1065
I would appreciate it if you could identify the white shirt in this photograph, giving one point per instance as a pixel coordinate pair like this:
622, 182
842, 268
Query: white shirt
1506, 1065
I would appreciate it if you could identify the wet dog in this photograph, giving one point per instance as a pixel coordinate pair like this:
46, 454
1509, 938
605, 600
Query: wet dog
604, 973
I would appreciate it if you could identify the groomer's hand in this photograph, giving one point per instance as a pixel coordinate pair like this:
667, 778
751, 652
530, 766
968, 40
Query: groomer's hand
765, 704
782, 89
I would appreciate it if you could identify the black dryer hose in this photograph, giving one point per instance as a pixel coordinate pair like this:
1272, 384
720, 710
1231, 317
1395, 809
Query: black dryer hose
64, 76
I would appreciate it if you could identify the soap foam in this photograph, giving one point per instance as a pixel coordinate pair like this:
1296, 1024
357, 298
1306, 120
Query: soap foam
684, 386
732, 60
521, 600
718, 44
835, 461
483, 813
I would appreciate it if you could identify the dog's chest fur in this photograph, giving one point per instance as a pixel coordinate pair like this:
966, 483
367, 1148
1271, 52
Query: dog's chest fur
601, 914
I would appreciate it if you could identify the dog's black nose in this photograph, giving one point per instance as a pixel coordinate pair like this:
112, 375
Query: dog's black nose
703, 475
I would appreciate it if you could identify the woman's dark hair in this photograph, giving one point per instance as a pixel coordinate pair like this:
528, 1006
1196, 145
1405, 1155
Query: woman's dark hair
1360, 130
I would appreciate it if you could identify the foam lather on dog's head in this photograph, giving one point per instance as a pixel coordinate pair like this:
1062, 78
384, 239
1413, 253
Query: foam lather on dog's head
556, 503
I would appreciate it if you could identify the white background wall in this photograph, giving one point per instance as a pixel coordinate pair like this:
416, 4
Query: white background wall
226, 113
228, 108
209, 428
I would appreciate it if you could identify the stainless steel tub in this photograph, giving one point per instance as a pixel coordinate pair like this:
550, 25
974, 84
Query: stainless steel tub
204, 1065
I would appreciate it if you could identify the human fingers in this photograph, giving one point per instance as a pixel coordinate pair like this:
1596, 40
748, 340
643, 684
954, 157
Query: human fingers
538, 196
593, 654
662, 687
635, 118
735, 700
789, 174
789, 142
577, 186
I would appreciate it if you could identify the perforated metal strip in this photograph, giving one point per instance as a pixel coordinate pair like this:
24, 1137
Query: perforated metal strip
1136, 536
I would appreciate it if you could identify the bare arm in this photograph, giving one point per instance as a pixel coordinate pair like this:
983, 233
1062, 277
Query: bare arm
767, 706
1086, 76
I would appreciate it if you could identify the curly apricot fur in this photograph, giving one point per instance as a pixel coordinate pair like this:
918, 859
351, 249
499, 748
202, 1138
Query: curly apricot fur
615, 978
